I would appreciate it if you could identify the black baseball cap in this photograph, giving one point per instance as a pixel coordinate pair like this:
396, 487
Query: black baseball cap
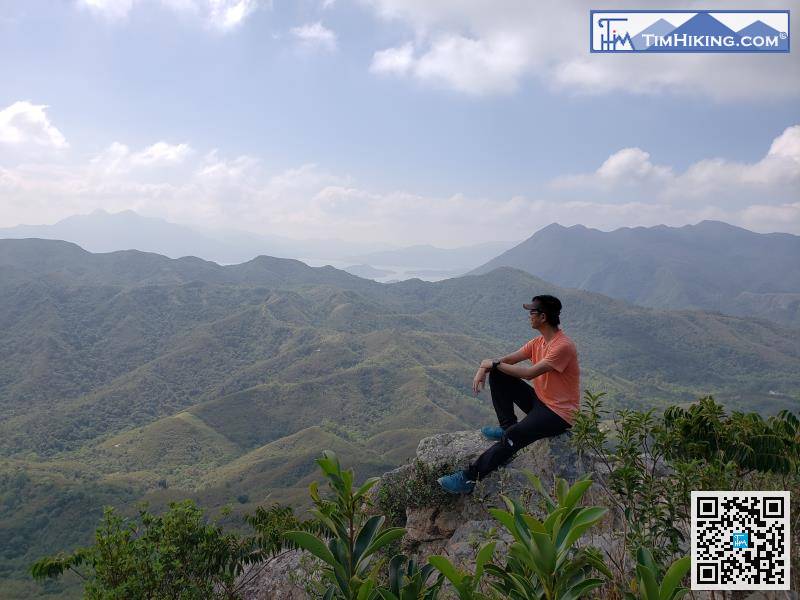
546, 303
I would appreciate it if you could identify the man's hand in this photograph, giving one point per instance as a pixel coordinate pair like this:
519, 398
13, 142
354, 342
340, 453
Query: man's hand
480, 377
479, 380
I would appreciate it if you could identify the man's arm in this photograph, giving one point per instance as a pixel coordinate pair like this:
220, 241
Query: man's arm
523, 371
509, 361
513, 358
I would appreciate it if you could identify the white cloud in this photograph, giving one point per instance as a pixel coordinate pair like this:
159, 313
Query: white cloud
786, 145
776, 175
315, 35
222, 15
113, 10
217, 191
118, 158
113, 159
393, 60
625, 168
475, 66
489, 46
162, 153
25, 123
228, 14
216, 169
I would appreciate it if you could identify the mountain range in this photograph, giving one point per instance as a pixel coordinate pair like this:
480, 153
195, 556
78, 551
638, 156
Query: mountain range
101, 231
130, 376
710, 266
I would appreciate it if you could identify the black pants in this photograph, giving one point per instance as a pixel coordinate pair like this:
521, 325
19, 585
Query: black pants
539, 422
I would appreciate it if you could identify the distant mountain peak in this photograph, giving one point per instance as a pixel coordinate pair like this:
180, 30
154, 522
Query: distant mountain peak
719, 225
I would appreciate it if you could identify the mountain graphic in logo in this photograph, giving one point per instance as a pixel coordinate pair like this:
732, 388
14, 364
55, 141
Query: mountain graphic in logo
762, 29
660, 28
698, 31
700, 24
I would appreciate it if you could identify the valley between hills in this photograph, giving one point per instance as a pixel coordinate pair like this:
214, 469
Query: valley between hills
129, 377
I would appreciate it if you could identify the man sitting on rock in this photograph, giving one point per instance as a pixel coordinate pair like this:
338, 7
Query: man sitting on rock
550, 405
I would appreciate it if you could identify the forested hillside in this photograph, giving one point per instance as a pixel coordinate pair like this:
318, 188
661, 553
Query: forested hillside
709, 266
129, 376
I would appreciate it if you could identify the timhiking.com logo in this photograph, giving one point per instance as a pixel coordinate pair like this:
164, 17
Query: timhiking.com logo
689, 31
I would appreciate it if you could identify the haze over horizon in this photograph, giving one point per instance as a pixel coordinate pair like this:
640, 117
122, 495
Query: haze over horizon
377, 245
383, 121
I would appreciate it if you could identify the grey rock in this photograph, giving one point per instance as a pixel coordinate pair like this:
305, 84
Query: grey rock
452, 449
454, 526
444, 528
276, 580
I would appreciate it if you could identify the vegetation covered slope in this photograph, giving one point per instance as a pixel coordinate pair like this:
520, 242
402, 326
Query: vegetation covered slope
708, 266
128, 376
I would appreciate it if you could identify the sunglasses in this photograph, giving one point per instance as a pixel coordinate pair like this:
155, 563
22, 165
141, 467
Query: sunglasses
534, 310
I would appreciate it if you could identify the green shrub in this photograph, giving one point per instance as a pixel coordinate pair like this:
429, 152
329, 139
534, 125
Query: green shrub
648, 575
466, 585
177, 555
543, 562
407, 581
652, 464
351, 540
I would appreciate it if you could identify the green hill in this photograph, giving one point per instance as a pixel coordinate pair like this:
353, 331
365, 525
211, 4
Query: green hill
130, 377
708, 266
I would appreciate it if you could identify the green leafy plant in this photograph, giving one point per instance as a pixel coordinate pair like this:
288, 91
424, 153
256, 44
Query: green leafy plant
466, 585
703, 431
407, 581
174, 555
648, 574
652, 463
543, 562
649, 492
350, 540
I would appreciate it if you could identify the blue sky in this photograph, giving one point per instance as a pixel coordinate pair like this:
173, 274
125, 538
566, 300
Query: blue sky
395, 120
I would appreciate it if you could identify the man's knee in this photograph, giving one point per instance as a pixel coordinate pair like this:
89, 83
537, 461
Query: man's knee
511, 438
522, 434
496, 376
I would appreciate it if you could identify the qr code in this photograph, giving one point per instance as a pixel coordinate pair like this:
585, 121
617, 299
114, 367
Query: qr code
740, 540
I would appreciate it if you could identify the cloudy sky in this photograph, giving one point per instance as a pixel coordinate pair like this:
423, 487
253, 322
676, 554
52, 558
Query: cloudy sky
407, 121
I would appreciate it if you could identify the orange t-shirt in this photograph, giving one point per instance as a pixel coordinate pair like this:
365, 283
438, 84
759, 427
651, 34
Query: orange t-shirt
559, 389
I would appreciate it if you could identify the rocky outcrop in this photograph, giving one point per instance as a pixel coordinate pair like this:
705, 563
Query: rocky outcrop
437, 523
281, 579
456, 526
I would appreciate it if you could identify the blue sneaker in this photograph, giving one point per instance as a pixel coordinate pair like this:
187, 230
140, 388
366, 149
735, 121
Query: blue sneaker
456, 483
492, 433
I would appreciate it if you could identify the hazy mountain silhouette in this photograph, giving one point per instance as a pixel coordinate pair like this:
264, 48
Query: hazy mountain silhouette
431, 257
710, 266
101, 231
